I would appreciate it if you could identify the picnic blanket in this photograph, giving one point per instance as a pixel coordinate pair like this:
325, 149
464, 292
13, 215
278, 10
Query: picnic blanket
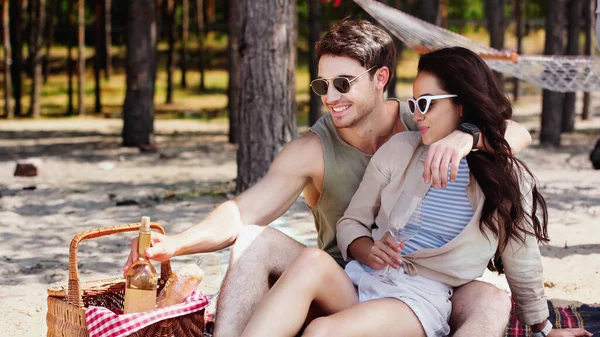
585, 316
104, 322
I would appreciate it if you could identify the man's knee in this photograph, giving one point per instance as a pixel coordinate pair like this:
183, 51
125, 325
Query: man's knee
258, 241
476, 294
265, 247
479, 301
320, 327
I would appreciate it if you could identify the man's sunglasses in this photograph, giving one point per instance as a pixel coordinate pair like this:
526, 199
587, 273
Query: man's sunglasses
342, 84
424, 102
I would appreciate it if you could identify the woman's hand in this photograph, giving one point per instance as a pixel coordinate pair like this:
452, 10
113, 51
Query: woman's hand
569, 333
384, 252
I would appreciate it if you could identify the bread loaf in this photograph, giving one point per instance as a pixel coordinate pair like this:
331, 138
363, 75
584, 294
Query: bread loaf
180, 285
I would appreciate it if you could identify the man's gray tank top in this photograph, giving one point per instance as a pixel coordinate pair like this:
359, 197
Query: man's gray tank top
344, 169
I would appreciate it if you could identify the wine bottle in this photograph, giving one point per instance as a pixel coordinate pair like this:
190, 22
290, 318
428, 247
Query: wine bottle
141, 278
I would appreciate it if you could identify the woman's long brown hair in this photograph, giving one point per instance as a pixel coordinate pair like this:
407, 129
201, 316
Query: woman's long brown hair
499, 174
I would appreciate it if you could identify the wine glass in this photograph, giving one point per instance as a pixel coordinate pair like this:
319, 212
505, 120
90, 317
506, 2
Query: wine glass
404, 223
210, 264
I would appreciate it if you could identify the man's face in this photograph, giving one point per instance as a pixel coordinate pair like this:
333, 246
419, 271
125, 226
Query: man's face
347, 109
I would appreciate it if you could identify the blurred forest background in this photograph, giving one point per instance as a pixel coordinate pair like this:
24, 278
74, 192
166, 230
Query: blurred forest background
193, 59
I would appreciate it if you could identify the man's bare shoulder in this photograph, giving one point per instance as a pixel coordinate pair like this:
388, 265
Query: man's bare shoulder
302, 154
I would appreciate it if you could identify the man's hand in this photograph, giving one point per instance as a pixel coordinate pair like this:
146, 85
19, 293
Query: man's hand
569, 333
162, 248
446, 151
385, 252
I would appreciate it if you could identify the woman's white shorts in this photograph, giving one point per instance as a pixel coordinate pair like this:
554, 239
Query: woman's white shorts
428, 299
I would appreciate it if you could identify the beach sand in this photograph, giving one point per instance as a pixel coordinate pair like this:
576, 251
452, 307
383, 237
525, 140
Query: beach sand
84, 174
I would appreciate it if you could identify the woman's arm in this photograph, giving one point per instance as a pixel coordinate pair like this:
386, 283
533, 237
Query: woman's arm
522, 263
451, 149
355, 227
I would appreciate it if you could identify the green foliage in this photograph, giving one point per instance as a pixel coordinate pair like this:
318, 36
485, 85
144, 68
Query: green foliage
465, 10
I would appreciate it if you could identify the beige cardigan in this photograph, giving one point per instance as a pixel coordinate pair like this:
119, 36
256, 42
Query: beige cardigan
398, 165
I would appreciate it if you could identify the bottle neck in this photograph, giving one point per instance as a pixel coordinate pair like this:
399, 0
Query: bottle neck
143, 243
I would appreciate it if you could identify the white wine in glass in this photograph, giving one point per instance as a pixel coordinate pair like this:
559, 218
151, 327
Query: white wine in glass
404, 223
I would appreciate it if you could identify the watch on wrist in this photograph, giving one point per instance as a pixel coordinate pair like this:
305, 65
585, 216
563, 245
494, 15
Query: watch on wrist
471, 129
545, 331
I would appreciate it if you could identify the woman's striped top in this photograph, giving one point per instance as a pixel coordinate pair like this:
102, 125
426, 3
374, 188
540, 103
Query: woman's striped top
445, 213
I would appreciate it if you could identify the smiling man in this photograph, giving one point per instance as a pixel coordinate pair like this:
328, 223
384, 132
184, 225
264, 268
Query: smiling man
327, 164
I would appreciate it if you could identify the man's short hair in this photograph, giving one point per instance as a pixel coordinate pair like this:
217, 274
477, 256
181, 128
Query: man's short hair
360, 40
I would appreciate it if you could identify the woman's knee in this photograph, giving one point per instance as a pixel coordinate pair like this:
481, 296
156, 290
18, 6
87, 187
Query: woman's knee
320, 327
314, 260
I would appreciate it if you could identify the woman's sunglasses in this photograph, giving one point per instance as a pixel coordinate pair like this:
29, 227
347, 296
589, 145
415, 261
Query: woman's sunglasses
342, 84
424, 102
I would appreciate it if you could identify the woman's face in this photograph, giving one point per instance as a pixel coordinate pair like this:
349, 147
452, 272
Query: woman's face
442, 117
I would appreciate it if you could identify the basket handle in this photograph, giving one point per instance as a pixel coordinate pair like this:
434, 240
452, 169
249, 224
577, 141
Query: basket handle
74, 293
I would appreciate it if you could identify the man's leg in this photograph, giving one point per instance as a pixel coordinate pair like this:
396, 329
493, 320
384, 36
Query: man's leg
260, 254
479, 309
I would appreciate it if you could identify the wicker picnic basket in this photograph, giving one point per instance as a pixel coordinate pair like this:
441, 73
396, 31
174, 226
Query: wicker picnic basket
66, 305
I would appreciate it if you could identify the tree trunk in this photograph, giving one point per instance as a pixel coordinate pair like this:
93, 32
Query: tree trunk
588, 19
81, 56
233, 89
494, 12
185, 27
10, 114
519, 6
37, 32
160, 16
70, 63
391, 90
138, 109
552, 102
98, 50
170, 26
50, 24
314, 33
209, 11
443, 13
30, 16
201, 35
16, 41
267, 102
573, 29
107, 54
430, 10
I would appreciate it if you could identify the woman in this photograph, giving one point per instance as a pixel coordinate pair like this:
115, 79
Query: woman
490, 211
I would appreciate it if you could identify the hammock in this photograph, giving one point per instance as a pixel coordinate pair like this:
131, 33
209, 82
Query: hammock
556, 73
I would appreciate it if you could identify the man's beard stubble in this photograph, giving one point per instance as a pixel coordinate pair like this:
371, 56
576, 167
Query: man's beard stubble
362, 112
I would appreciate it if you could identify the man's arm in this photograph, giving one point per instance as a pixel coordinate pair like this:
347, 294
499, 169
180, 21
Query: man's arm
268, 199
452, 148
516, 136
264, 202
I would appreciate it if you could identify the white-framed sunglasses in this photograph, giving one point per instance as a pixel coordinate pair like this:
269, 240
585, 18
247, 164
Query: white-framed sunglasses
342, 84
424, 102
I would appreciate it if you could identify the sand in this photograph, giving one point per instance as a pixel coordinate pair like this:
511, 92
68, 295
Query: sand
85, 174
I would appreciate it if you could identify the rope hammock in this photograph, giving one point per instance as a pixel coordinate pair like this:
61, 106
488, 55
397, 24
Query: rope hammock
556, 73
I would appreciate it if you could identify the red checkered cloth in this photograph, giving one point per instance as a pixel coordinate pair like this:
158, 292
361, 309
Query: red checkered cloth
585, 316
103, 322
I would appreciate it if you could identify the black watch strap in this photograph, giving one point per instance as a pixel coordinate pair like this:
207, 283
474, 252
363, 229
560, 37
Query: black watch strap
471, 129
